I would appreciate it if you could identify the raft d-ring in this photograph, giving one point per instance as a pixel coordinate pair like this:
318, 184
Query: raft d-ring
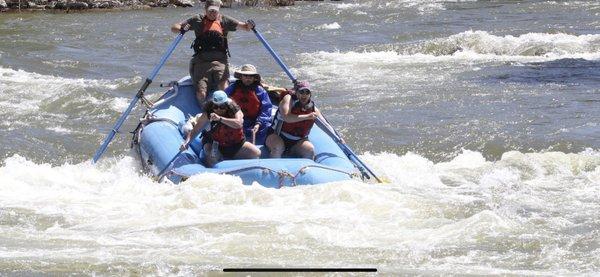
282, 174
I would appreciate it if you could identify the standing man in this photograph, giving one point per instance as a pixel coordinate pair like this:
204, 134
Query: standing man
209, 67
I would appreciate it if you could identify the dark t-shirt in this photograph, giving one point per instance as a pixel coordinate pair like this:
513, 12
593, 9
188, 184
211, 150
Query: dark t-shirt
228, 24
232, 109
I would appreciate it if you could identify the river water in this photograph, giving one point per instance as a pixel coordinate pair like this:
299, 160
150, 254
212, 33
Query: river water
481, 115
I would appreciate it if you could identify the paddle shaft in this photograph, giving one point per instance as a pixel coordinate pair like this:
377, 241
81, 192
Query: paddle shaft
333, 134
162, 173
275, 56
345, 148
135, 99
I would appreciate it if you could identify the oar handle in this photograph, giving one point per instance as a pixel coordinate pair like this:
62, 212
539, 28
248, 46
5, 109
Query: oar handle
135, 99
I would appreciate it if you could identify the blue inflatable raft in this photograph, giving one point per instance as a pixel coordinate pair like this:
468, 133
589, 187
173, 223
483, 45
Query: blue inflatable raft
160, 133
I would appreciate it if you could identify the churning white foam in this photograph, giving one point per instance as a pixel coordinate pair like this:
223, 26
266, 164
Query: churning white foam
10, 77
332, 26
60, 130
344, 6
475, 46
120, 104
62, 63
428, 215
548, 46
23, 92
468, 49
366, 7
422, 6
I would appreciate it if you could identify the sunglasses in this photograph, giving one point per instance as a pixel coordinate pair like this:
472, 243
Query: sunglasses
219, 107
304, 91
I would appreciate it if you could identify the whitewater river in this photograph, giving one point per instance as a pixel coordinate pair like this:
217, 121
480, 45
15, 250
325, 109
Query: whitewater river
483, 116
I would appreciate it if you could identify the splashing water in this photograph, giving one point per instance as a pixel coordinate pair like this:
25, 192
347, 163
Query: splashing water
480, 114
526, 209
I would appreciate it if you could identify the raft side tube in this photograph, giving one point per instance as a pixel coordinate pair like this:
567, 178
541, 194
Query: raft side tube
272, 173
159, 143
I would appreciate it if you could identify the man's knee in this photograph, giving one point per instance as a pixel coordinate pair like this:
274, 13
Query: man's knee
223, 84
201, 91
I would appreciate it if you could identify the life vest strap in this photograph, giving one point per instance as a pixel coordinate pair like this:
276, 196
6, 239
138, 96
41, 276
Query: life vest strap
290, 136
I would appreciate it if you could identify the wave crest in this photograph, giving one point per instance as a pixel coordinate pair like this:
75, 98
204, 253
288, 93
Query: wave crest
530, 44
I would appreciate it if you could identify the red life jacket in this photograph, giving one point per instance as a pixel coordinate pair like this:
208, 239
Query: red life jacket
300, 129
247, 100
212, 38
225, 135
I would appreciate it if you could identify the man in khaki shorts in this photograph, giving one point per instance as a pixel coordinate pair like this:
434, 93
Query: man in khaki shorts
209, 67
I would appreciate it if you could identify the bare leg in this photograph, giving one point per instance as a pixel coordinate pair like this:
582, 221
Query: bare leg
304, 149
197, 69
275, 145
210, 161
222, 74
248, 151
223, 84
201, 95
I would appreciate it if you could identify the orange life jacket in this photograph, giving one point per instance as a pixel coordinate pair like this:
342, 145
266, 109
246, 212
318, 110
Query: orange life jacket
225, 135
248, 102
212, 38
300, 129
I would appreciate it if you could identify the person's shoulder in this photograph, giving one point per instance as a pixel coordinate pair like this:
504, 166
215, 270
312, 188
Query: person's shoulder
260, 89
234, 106
196, 18
195, 21
229, 22
229, 89
225, 18
262, 93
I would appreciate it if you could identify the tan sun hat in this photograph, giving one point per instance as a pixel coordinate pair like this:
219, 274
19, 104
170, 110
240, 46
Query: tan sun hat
213, 5
246, 69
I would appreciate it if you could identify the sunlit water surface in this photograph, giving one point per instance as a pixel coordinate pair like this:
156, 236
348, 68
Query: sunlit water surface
481, 116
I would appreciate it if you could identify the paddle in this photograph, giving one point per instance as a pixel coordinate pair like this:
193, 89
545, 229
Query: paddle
275, 56
353, 158
169, 165
137, 97
163, 172
333, 133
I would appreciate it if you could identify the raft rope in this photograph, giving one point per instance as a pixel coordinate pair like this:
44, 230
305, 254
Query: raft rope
145, 101
282, 174
150, 119
144, 121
